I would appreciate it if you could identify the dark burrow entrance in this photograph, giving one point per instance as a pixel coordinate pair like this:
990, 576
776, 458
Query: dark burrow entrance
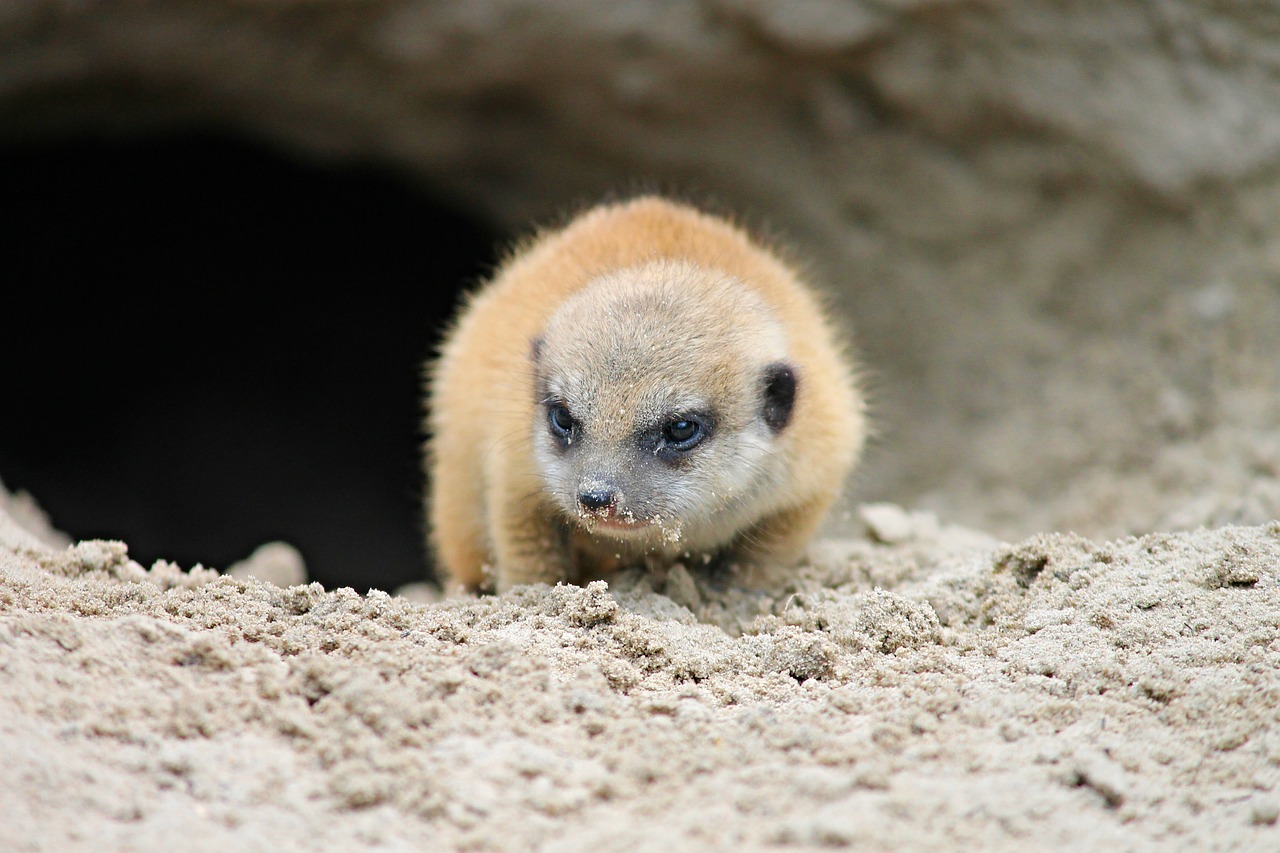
209, 345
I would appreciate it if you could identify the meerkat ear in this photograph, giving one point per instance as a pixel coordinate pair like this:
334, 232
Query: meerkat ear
779, 395
539, 380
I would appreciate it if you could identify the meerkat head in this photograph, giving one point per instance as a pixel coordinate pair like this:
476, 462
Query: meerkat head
663, 392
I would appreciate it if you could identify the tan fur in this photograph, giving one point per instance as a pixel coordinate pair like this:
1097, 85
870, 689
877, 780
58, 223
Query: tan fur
631, 313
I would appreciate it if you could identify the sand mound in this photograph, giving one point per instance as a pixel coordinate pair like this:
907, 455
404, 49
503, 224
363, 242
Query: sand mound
919, 685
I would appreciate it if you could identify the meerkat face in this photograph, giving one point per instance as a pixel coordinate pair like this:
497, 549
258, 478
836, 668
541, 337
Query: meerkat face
663, 393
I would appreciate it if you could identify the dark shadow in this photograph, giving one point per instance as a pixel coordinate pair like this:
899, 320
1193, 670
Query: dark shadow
209, 345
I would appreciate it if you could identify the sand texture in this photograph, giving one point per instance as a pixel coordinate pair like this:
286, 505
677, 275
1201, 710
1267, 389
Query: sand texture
917, 686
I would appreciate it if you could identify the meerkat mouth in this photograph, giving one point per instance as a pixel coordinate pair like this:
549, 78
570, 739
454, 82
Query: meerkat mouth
616, 522
622, 526
648, 532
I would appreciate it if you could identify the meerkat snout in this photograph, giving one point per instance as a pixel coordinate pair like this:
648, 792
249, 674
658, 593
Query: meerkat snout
601, 499
596, 500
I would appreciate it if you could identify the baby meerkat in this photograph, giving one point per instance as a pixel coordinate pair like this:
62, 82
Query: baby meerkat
646, 384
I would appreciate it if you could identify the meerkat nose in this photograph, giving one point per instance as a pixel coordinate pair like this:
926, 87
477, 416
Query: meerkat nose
597, 499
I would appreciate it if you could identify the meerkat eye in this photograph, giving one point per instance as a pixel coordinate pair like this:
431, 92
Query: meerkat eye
561, 421
683, 433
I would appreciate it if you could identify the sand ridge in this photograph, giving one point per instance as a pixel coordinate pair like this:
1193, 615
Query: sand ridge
940, 688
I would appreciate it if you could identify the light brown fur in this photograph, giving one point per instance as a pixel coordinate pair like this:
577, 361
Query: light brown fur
631, 315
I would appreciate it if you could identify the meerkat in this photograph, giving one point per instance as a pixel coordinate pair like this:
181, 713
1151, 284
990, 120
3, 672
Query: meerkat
647, 384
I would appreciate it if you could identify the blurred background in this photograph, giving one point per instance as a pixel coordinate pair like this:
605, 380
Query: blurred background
230, 234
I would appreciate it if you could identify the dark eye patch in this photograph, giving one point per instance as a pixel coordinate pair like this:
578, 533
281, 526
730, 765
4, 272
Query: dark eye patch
683, 434
563, 425
676, 436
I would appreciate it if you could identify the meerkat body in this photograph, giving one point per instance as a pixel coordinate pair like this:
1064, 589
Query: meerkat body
645, 384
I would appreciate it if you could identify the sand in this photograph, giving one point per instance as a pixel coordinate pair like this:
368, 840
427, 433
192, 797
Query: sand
918, 686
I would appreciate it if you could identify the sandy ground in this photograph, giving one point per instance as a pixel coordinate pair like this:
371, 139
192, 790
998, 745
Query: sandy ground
917, 686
